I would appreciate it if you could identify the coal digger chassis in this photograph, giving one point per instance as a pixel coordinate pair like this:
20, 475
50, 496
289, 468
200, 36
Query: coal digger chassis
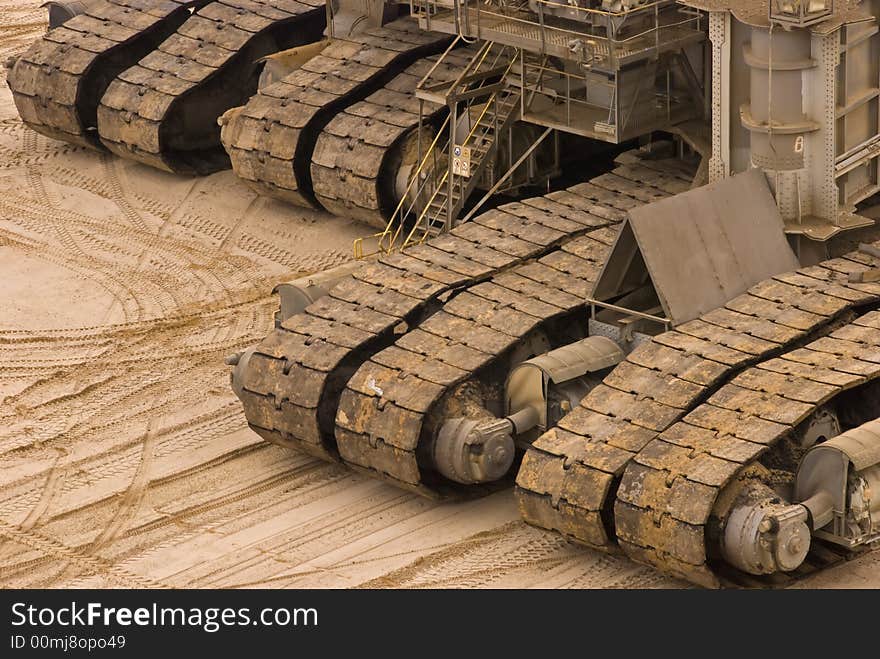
674, 359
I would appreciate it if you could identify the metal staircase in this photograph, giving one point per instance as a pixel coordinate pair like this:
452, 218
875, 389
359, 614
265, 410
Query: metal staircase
451, 192
482, 106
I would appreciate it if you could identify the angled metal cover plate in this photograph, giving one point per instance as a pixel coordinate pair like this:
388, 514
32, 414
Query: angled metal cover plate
705, 246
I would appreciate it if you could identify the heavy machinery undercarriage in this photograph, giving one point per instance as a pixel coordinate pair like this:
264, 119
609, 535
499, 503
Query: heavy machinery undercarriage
663, 357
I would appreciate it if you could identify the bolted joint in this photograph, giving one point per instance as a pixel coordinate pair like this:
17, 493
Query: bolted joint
471, 451
765, 535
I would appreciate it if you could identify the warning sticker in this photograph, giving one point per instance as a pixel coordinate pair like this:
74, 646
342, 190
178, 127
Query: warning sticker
461, 161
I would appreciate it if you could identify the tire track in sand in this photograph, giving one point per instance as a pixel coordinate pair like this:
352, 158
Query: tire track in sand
128, 507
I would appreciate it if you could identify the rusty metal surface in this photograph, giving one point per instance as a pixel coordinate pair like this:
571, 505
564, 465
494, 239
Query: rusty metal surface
271, 139
355, 161
706, 449
58, 82
681, 416
387, 410
360, 372
163, 110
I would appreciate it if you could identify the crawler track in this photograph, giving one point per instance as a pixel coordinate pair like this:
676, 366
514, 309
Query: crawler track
272, 138
58, 82
163, 110
522, 265
681, 417
719, 439
358, 154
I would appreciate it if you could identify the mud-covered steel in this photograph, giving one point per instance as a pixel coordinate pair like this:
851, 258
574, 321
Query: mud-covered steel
360, 152
362, 369
272, 139
163, 111
294, 296
670, 488
473, 332
58, 82
644, 435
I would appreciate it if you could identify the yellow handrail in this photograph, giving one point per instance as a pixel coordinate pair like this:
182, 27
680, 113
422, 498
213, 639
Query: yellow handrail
418, 222
413, 182
492, 99
482, 53
428, 75
402, 217
396, 217
388, 238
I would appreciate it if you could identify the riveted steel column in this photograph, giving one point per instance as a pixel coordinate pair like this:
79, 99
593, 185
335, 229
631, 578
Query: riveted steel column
719, 34
780, 61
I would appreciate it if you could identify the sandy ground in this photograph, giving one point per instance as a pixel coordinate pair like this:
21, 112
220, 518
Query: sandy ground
125, 460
